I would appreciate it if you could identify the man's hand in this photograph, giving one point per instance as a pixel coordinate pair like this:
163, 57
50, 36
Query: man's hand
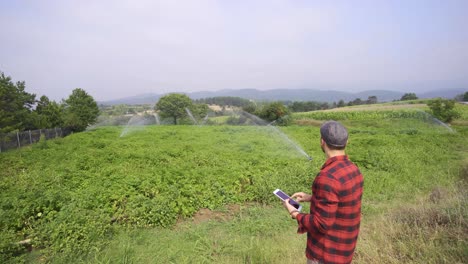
302, 197
288, 206
291, 209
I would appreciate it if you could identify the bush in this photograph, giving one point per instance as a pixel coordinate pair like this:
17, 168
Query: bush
275, 111
443, 109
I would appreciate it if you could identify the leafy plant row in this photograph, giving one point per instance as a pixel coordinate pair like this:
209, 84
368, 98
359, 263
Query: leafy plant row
364, 115
72, 194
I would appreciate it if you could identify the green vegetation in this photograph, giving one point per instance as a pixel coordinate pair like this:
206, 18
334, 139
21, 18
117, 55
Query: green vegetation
463, 110
80, 110
254, 234
444, 109
49, 113
298, 106
363, 115
275, 111
462, 97
224, 101
95, 197
175, 106
17, 111
15, 105
409, 96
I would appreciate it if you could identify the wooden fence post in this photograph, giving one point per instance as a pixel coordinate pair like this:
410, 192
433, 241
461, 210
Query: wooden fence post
17, 137
30, 139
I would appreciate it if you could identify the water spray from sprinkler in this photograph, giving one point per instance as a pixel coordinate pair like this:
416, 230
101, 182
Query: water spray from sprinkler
257, 120
156, 119
430, 117
191, 116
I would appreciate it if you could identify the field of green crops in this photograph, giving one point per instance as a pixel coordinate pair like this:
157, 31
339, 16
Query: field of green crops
74, 197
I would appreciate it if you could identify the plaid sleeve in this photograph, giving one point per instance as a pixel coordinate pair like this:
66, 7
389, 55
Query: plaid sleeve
324, 205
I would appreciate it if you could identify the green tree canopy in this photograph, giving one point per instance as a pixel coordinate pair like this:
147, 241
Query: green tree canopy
300, 106
341, 103
49, 113
81, 110
173, 105
356, 101
199, 110
273, 111
15, 105
372, 99
251, 107
408, 96
443, 109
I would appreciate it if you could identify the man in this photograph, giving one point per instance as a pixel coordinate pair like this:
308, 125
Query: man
332, 225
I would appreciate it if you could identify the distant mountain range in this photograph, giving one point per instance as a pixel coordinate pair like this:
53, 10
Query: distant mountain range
290, 95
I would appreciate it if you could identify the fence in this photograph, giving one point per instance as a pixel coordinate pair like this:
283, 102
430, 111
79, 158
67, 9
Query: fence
24, 138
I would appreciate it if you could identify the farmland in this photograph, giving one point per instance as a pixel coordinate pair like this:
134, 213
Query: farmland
98, 197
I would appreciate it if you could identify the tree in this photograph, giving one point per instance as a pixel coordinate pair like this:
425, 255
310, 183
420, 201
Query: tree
300, 106
372, 99
324, 106
15, 105
173, 105
81, 110
443, 109
199, 110
275, 111
465, 97
341, 103
356, 101
251, 107
409, 96
49, 113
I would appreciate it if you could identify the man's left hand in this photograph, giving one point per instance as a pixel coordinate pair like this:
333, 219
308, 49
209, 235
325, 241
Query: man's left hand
288, 206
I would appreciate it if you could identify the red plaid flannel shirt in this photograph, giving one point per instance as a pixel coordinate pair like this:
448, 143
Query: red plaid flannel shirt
335, 212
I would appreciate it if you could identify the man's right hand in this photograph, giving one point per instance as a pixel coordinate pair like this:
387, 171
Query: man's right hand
302, 197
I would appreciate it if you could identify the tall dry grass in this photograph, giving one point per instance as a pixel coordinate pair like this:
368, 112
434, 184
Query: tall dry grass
434, 229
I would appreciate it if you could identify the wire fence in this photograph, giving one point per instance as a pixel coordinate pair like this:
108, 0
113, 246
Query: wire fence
24, 138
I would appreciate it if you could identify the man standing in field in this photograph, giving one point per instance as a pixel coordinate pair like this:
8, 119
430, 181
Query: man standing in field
332, 225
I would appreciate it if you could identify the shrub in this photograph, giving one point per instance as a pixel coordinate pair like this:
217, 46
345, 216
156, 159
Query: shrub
443, 109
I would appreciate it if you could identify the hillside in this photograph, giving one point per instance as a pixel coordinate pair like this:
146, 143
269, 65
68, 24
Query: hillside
98, 197
269, 95
290, 95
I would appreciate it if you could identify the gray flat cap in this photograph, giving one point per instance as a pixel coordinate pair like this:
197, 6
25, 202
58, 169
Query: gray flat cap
334, 134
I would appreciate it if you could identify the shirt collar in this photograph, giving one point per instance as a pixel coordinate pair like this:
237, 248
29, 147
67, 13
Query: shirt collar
333, 159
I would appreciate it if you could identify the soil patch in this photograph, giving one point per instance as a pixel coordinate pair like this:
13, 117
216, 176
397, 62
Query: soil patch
204, 215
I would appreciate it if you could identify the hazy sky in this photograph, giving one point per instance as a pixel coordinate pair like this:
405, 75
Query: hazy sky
114, 49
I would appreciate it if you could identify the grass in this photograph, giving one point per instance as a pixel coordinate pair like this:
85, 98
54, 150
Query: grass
428, 230
257, 234
96, 197
430, 227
